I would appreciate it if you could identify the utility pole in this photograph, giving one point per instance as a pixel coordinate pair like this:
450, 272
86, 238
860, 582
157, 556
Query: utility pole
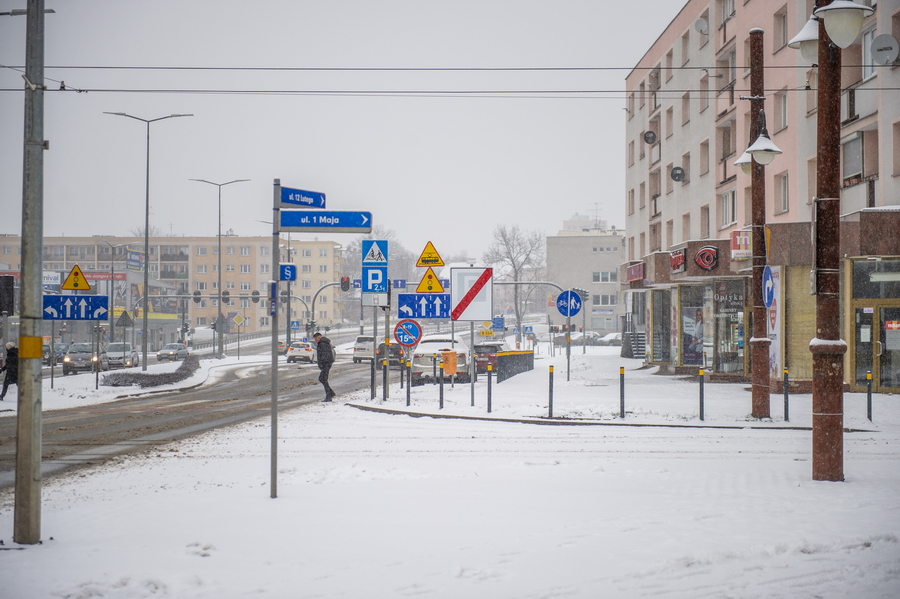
27, 524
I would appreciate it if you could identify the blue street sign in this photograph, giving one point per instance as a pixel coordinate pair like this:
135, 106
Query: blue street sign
423, 305
399, 283
374, 252
295, 325
407, 332
768, 286
287, 272
568, 303
357, 283
324, 221
300, 197
498, 323
529, 330
76, 307
375, 279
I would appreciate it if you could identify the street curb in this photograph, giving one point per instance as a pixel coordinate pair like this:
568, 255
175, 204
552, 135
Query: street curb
566, 422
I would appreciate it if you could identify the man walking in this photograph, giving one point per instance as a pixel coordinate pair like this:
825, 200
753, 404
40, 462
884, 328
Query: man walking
324, 358
11, 366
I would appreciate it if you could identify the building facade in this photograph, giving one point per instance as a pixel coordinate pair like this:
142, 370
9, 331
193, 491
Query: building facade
586, 255
687, 275
184, 267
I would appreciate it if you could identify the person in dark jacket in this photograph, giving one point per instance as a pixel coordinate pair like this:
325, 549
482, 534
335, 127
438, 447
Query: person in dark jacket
324, 358
11, 366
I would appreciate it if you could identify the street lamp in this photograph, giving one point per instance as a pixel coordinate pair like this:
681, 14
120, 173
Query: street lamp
844, 20
146, 301
219, 321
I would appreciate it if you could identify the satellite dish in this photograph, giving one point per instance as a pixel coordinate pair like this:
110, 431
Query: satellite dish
677, 174
650, 137
701, 26
885, 49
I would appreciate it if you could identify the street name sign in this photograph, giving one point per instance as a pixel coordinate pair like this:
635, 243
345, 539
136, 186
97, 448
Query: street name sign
300, 197
76, 307
423, 305
324, 221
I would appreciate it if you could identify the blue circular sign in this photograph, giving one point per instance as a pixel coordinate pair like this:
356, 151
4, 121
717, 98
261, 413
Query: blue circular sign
768, 287
407, 332
568, 303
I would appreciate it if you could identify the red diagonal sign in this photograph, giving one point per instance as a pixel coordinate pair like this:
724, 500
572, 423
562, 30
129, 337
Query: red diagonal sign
479, 284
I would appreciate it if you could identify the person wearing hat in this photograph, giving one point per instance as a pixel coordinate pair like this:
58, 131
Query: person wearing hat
11, 366
324, 358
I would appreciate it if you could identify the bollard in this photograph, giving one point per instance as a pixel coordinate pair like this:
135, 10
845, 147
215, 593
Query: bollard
489, 373
402, 364
384, 380
434, 367
373, 382
701, 394
442, 385
621, 392
787, 409
551, 392
869, 394
408, 380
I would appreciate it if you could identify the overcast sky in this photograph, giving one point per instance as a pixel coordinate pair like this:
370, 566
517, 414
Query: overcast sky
444, 166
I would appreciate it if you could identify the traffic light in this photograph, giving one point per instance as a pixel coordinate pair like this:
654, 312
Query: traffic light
254, 297
213, 326
345, 283
197, 297
7, 295
225, 296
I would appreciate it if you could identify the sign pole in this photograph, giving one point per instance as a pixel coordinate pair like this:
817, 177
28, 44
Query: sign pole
273, 314
472, 360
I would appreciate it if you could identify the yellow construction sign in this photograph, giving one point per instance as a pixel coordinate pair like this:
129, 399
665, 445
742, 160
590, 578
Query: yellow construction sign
76, 281
429, 256
430, 283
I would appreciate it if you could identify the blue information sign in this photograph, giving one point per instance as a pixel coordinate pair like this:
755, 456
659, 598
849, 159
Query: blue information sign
287, 272
375, 279
76, 307
568, 303
300, 197
324, 221
498, 323
407, 332
374, 252
295, 325
768, 286
423, 305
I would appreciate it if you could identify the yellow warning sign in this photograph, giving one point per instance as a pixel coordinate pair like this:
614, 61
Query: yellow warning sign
429, 256
76, 281
430, 283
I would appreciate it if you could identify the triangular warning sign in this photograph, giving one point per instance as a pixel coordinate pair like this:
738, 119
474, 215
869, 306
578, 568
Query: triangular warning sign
76, 281
125, 320
374, 254
430, 283
430, 257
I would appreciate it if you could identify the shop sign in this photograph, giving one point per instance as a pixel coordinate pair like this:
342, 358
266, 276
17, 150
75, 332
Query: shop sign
741, 245
707, 257
635, 272
677, 261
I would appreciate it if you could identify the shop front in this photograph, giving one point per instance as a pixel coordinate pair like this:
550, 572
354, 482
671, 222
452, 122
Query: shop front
875, 325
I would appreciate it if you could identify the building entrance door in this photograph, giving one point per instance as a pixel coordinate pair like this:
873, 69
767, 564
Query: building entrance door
878, 348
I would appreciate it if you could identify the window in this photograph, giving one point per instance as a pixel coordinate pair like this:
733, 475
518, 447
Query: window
323, 252
670, 231
704, 222
704, 93
670, 58
685, 108
896, 149
726, 140
631, 248
631, 153
726, 10
229, 250
852, 161
686, 47
201, 269
229, 268
263, 268
727, 208
604, 300
306, 253
704, 157
245, 286
245, 269
630, 105
215, 284
670, 118
812, 94
245, 303
868, 64
686, 226
605, 277
201, 251
200, 285
264, 250
780, 27
781, 110
323, 268
686, 167
305, 268
229, 285
245, 250
306, 284
631, 198
669, 181
782, 193
201, 321
642, 196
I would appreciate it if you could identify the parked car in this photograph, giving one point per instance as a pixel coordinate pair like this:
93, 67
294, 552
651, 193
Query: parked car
486, 353
422, 368
54, 354
172, 351
610, 339
81, 356
282, 347
396, 354
122, 355
300, 350
364, 348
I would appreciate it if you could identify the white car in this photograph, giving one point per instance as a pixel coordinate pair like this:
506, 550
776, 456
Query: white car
301, 351
122, 355
423, 357
364, 349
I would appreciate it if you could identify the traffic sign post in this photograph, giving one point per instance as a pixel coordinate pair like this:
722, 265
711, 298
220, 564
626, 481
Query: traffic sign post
768, 286
324, 221
423, 305
569, 304
76, 307
292, 198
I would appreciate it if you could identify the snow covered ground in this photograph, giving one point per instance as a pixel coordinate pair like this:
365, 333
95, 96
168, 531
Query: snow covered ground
383, 505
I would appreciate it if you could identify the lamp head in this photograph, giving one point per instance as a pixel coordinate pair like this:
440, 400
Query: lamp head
807, 41
843, 20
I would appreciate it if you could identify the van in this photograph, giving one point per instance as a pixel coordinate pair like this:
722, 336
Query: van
364, 349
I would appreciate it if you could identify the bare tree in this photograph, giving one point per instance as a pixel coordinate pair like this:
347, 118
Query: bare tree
139, 231
520, 256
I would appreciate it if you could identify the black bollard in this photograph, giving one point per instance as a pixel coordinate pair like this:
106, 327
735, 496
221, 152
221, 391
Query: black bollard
408, 380
551, 392
869, 395
787, 407
701, 394
442, 385
621, 392
489, 373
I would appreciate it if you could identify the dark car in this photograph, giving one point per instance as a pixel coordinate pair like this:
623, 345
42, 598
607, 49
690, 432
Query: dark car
486, 353
396, 354
81, 356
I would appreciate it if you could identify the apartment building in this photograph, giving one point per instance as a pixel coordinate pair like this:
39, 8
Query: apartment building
688, 120
181, 267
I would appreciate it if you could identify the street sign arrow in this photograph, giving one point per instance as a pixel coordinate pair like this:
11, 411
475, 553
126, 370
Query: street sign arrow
324, 221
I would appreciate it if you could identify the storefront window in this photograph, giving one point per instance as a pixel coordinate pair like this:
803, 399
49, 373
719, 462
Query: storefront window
696, 338
729, 326
662, 325
876, 279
